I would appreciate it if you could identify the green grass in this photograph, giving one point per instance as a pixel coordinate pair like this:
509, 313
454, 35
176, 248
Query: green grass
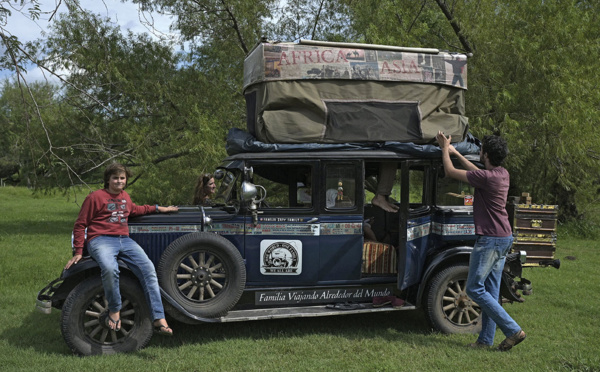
561, 318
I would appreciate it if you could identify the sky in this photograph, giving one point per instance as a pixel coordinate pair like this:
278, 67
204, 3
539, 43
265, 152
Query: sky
126, 15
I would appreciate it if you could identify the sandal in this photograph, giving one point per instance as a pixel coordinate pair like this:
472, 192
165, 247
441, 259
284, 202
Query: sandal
108, 320
511, 341
163, 330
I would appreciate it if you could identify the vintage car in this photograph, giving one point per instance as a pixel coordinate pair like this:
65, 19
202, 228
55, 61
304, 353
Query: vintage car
286, 234
265, 251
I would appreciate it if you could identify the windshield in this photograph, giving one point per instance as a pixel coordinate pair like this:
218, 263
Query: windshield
226, 181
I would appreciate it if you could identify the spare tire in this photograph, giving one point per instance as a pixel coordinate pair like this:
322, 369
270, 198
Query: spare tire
204, 273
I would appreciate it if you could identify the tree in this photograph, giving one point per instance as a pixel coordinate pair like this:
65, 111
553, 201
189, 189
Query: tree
535, 73
310, 19
21, 130
531, 80
16, 54
128, 99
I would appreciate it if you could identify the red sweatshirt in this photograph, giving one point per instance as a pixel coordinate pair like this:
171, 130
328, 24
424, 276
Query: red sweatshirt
103, 213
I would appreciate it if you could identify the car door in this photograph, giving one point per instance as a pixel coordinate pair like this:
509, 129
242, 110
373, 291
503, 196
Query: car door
282, 242
415, 221
341, 218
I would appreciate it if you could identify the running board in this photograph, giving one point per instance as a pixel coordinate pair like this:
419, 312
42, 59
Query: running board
288, 312
307, 312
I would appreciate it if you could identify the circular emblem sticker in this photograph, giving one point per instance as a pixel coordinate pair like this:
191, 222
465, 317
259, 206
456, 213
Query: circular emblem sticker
281, 257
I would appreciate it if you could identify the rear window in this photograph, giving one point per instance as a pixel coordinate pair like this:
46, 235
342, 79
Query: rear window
451, 192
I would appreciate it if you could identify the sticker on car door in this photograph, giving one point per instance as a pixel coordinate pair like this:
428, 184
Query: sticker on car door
281, 257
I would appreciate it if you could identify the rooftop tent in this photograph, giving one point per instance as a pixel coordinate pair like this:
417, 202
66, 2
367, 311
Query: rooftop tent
319, 92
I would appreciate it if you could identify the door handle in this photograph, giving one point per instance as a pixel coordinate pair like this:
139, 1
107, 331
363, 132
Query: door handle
312, 220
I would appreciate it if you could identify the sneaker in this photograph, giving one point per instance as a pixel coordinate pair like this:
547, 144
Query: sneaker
511, 341
382, 301
397, 302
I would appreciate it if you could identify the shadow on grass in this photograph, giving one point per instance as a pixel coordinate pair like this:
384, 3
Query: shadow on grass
409, 325
42, 332
39, 332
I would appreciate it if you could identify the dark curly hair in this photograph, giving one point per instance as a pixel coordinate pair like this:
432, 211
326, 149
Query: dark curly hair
115, 168
496, 149
200, 193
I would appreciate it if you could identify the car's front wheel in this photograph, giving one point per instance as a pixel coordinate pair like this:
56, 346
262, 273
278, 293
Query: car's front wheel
86, 334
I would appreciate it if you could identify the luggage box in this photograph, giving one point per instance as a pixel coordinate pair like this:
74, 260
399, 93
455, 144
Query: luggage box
534, 231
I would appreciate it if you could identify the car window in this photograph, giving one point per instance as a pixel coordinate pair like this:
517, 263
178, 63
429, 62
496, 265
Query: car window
340, 186
451, 192
385, 178
416, 177
286, 185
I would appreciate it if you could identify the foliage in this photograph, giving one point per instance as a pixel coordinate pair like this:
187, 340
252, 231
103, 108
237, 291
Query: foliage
311, 19
401, 23
27, 116
537, 88
126, 99
130, 98
15, 54
583, 228
220, 34
532, 80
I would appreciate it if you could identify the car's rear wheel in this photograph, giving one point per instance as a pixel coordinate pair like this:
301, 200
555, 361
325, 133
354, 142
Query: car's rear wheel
448, 308
204, 273
86, 334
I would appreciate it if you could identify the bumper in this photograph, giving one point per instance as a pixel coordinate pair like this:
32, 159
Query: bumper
43, 302
512, 290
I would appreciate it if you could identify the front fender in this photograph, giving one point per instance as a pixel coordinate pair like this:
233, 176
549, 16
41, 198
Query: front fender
57, 291
85, 264
442, 259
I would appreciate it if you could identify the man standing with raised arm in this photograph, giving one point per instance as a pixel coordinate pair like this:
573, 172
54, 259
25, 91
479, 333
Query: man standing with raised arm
494, 236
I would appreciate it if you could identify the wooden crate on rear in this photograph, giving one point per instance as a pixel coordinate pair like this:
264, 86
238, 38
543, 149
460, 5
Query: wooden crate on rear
534, 231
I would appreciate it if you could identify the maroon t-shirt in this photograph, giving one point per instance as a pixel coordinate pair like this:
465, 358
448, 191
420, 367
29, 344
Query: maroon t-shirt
489, 204
103, 213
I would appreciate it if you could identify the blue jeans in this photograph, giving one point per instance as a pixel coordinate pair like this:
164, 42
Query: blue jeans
105, 250
483, 286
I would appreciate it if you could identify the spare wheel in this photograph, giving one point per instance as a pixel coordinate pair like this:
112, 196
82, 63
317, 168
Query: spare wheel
204, 273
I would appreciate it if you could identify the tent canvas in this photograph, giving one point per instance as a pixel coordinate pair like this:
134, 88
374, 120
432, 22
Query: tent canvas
299, 93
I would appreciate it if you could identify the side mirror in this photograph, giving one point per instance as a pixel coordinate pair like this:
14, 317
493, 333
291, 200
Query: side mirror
219, 173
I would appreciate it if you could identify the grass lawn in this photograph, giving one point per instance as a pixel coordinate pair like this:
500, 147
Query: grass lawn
561, 318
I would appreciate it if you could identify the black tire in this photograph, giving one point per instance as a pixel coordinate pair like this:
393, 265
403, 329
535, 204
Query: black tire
448, 308
86, 335
204, 273
175, 314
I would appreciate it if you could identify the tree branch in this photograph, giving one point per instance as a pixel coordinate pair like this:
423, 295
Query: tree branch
455, 26
312, 36
236, 28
